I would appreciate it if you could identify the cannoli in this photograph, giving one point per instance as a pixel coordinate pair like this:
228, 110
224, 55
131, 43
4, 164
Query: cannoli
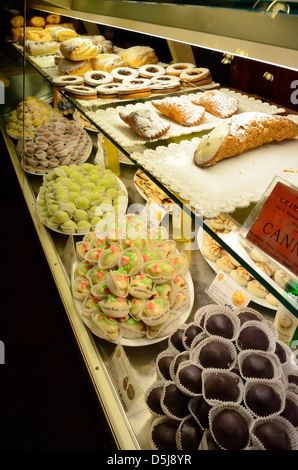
217, 103
180, 110
242, 132
145, 123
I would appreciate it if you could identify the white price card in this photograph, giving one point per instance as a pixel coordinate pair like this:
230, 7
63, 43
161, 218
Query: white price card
153, 212
123, 378
225, 291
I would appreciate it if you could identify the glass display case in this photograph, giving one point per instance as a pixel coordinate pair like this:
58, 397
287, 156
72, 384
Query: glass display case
249, 58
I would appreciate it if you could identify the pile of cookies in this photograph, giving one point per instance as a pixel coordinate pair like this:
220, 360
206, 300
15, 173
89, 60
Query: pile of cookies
151, 190
130, 282
28, 116
225, 262
225, 382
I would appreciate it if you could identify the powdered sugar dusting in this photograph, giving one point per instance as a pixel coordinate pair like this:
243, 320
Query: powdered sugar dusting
217, 103
146, 123
181, 110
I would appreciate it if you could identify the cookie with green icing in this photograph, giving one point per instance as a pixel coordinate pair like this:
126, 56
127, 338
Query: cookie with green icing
118, 282
83, 268
180, 262
106, 327
163, 329
181, 303
101, 290
165, 291
132, 328
131, 260
109, 257
81, 288
136, 307
96, 275
155, 312
141, 286
160, 270
114, 306
90, 305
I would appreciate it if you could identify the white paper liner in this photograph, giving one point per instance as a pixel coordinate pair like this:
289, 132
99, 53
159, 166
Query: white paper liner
278, 419
179, 307
276, 385
162, 419
137, 265
80, 289
93, 255
114, 288
115, 312
199, 316
169, 352
140, 291
195, 352
114, 261
263, 327
230, 315
170, 340
235, 407
179, 432
171, 293
164, 330
287, 350
277, 368
251, 310
183, 388
181, 356
185, 339
204, 442
129, 331
180, 262
213, 401
166, 410
99, 290
95, 279
132, 310
156, 384
291, 395
87, 311
192, 407
102, 333
291, 371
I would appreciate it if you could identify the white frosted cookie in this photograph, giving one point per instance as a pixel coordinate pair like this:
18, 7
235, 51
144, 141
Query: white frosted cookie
121, 73
64, 80
97, 77
225, 264
241, 276
151, 70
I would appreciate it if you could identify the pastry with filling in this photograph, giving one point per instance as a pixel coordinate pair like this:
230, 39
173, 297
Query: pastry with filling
217, 103
78, 49
145, 123
242, 132
180, 110
137, 56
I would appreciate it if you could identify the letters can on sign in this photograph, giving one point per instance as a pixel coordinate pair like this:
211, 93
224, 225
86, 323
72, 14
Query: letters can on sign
275, 231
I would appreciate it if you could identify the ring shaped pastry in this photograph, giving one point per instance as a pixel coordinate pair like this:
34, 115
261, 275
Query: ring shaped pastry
166, 79
97, 77
136, 82
194, 74
176, 69
151, 70
108, 89
81, 91
121, 73
68, 80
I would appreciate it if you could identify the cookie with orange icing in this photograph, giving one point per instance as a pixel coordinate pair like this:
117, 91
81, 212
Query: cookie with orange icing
141, 286
118, 282
106, 327
101, 290
131, 260
160, 270
109, 257
155, 312
114, 306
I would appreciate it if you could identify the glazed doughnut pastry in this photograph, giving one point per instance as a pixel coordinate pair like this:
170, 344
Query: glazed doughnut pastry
61, 34
36, 21
196, 75
217, 103
120, 73
78, 49
242, 132
96, 78
180, 110
81, 92
69, 67
146, 123
137, 56
68, 80
178, 68
107, 62
53, 19
151, 70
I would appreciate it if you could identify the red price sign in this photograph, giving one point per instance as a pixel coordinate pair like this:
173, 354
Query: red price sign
275, 231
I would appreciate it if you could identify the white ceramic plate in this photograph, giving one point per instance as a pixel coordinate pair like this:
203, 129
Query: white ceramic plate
144, 341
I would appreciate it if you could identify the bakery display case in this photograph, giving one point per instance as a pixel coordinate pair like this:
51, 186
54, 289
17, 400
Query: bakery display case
119, 109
